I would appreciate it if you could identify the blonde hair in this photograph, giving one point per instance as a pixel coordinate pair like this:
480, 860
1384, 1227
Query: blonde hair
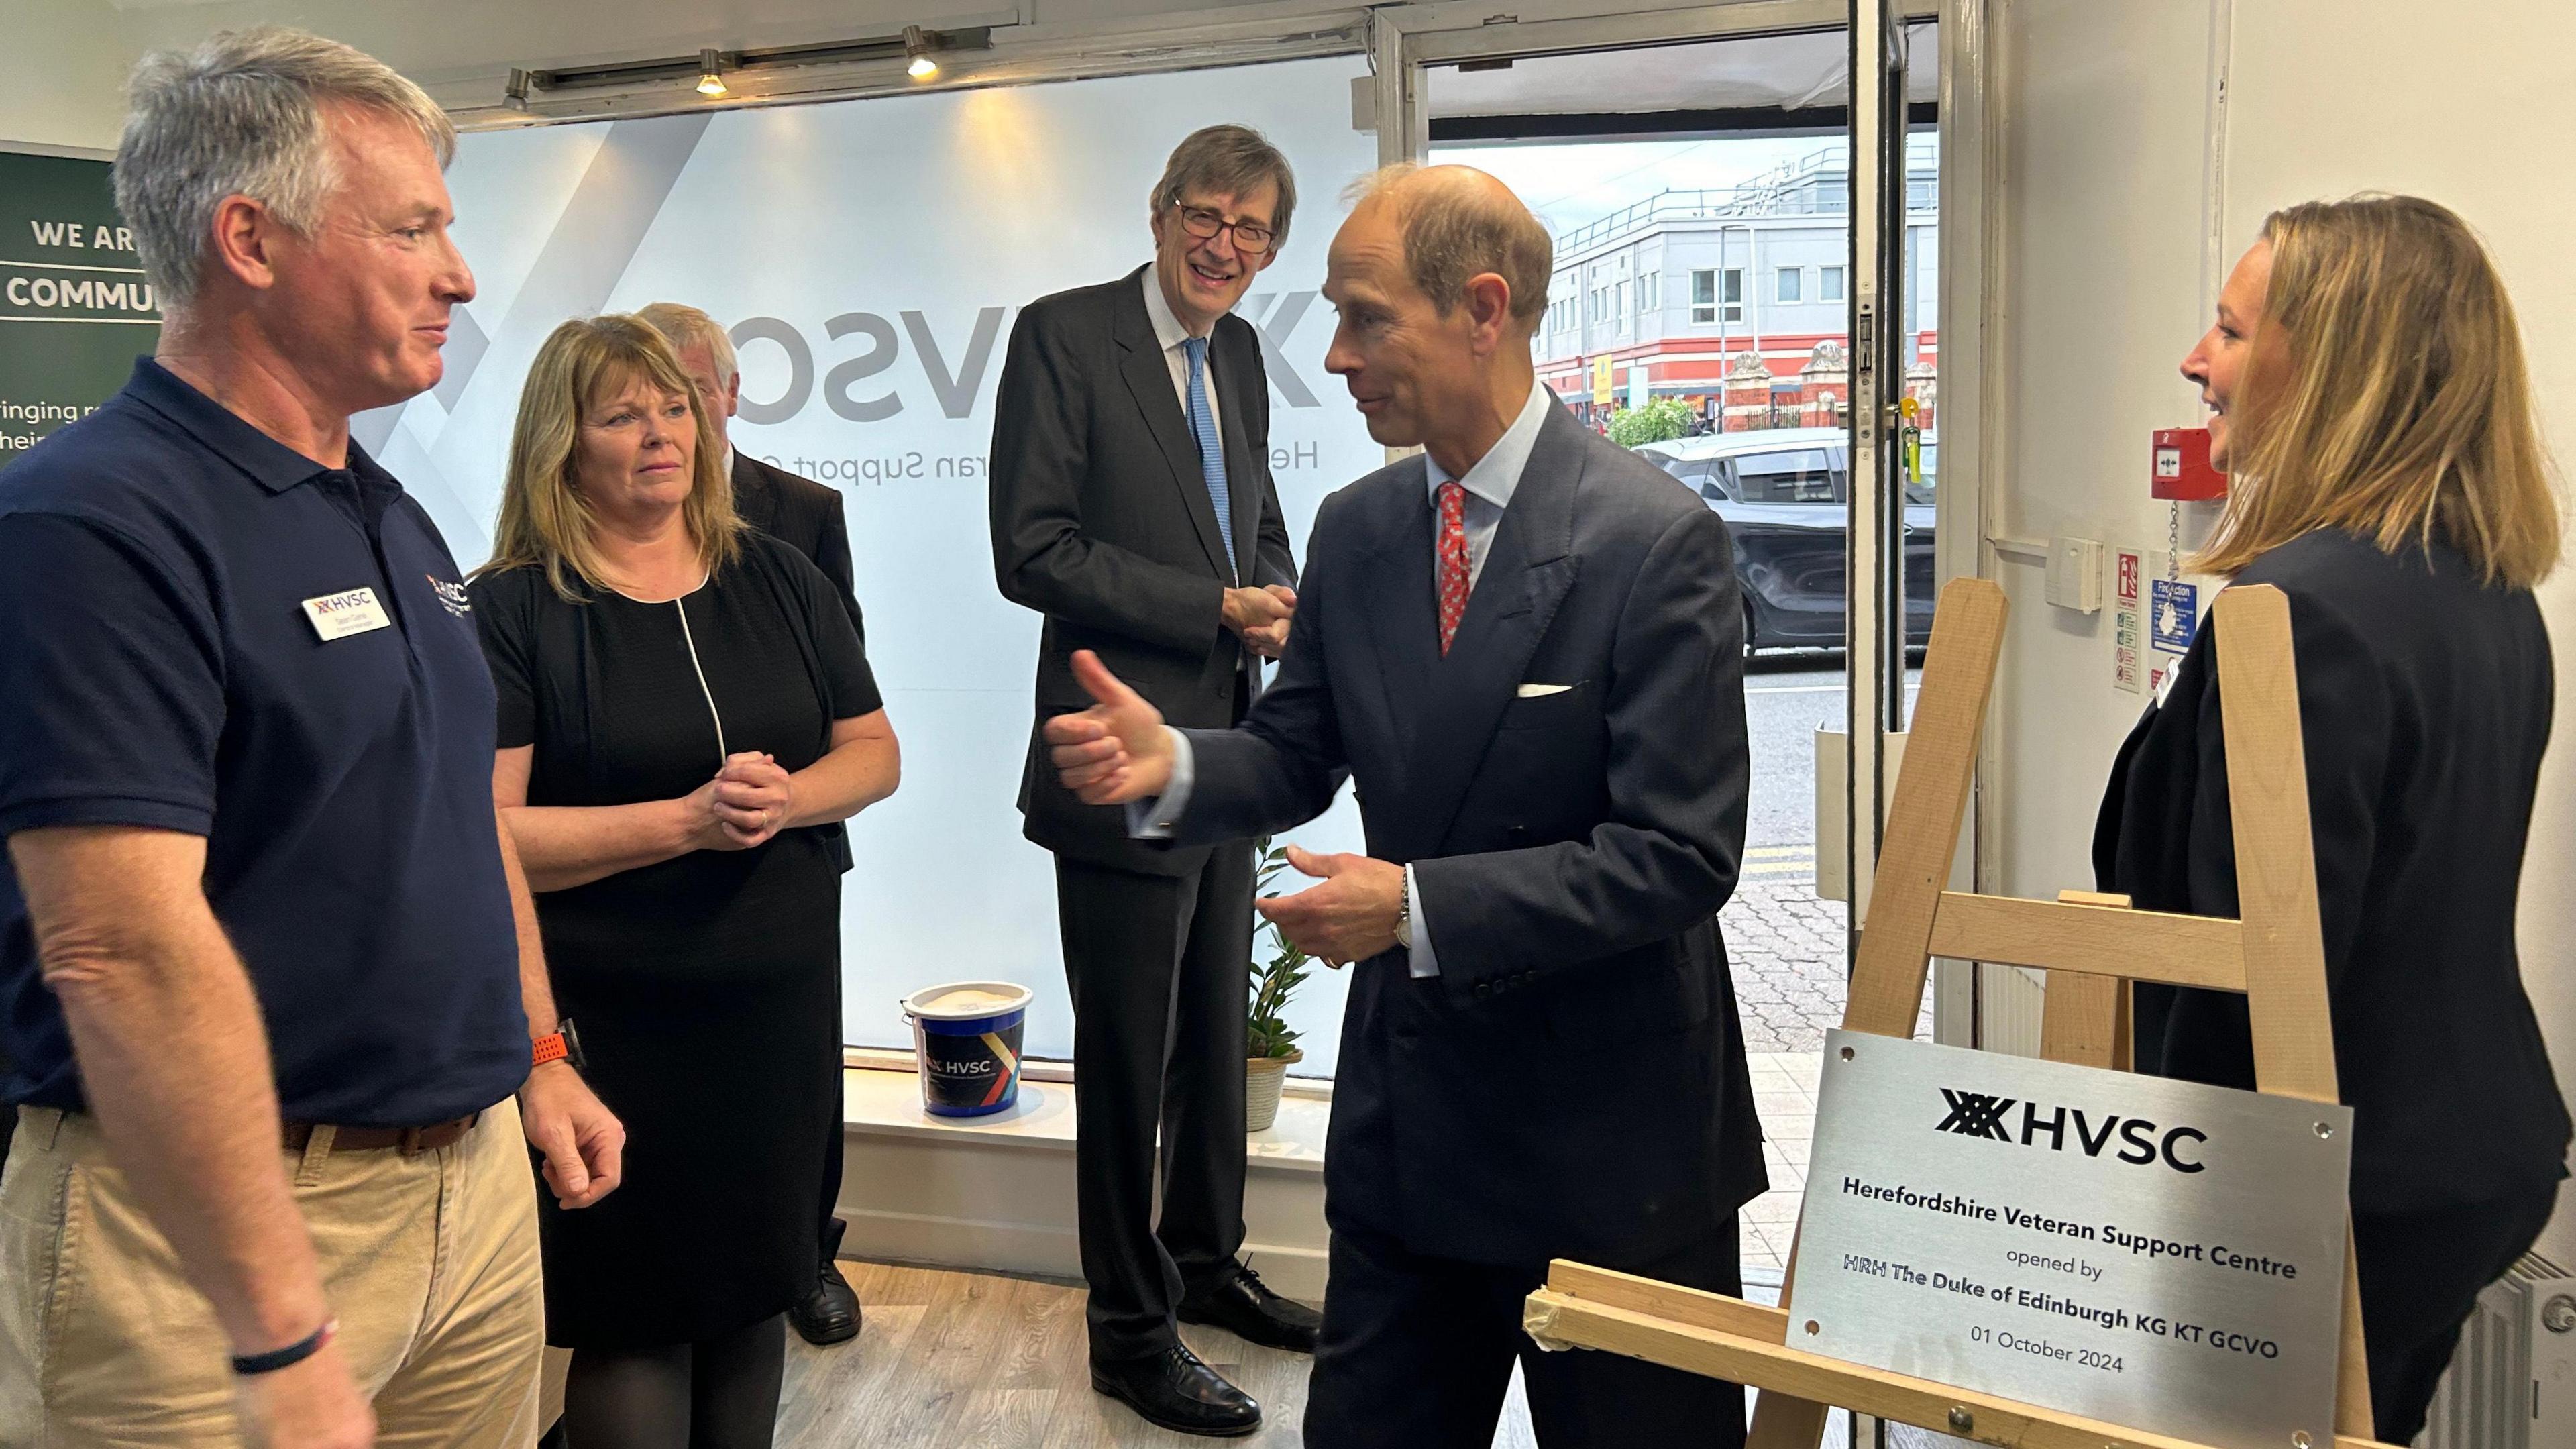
545, 522
686, 326
2404, 413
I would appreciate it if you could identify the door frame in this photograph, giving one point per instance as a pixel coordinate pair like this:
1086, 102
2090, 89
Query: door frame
1404, 39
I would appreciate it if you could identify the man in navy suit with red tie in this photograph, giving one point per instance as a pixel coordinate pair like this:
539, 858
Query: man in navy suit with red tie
1525, 649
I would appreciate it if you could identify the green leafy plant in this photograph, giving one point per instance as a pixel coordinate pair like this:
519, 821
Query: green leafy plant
1660, 420
1267, 1032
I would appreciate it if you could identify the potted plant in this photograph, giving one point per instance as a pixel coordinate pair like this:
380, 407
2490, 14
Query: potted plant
1272, 1045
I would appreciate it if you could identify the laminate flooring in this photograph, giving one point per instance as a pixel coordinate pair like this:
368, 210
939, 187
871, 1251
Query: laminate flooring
955, 1360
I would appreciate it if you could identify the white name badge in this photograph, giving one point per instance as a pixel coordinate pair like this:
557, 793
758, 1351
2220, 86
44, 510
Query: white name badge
337, 616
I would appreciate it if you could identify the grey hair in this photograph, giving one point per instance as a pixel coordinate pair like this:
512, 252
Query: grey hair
1459, 224
242, 115
687, 327
1229, 160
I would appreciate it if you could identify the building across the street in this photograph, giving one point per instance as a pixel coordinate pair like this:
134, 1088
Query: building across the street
1735, 301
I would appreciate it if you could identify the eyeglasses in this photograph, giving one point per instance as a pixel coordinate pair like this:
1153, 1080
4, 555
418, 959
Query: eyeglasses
1204, 224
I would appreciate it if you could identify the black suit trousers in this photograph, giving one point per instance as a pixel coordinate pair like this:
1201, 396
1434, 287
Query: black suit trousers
1417, 1353
1158, 970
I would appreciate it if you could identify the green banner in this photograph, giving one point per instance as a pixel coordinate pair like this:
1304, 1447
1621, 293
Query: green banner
75, 310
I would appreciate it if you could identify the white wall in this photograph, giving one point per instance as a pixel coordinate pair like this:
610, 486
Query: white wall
69, 71
2108, 202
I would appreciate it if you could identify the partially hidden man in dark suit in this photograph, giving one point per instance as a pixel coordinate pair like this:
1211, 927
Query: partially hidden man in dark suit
1132, 505
1524, 649
806, 516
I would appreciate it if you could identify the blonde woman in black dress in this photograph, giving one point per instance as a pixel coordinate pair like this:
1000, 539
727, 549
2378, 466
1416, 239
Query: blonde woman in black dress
682, 702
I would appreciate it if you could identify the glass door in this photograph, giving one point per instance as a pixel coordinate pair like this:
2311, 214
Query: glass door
1881, 346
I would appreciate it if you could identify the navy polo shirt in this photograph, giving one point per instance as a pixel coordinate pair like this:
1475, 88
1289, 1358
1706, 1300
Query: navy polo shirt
160, 668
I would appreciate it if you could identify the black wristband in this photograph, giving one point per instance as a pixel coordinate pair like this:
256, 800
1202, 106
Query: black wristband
289, 1356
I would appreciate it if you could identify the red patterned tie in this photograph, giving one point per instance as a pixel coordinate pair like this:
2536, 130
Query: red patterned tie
1453, 561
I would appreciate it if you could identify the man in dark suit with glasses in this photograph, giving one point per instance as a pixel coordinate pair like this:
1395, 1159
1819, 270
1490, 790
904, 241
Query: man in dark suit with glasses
1132, 506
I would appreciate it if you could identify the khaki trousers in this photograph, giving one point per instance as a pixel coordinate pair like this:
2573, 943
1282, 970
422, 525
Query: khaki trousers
429, 1261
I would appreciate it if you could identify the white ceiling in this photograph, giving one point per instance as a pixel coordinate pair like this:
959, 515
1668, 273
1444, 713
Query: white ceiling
1784, 72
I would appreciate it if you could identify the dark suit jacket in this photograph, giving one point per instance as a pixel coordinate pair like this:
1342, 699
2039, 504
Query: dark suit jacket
2425, 702
1573, 1082
805, 515
1102, 522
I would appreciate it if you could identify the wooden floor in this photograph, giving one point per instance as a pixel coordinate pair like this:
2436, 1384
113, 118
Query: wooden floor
953, 1360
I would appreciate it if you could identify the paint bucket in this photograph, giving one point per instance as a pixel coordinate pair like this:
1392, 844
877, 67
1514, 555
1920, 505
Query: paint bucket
966, 1041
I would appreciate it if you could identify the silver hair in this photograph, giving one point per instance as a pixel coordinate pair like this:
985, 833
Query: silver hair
243, 115
687, 327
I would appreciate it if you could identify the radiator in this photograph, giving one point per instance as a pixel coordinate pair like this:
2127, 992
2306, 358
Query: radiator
2512, 1385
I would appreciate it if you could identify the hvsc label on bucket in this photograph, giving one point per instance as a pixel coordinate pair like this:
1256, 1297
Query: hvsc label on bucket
966, 1040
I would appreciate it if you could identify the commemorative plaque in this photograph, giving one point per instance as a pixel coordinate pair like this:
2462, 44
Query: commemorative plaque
2157, 1254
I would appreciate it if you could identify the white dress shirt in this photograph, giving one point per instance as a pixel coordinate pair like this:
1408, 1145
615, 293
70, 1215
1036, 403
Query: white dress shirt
1490, 483
1169, 332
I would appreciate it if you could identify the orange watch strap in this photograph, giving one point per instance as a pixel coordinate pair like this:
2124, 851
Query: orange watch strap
548, 1048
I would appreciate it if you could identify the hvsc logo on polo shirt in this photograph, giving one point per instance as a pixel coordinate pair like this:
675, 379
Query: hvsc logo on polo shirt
1975, 1114
451, 595
352, 611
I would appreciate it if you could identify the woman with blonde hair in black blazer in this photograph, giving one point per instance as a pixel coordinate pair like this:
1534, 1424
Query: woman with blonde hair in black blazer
2371, 402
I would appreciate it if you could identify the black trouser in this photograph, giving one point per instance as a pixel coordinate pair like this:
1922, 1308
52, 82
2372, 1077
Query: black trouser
2421, 1274
828, 1227
1417, 1353
1158, 967
831, 1227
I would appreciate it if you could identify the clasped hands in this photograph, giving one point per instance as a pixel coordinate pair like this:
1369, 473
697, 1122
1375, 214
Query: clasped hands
1117, 752
1260, 616
751, 799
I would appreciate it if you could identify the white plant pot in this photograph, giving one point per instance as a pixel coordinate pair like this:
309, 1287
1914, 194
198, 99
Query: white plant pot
1262, 1079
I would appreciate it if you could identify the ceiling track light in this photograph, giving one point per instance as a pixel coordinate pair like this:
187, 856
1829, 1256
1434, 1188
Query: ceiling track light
918, 46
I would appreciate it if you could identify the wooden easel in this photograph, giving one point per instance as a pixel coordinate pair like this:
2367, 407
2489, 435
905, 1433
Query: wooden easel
2092, 946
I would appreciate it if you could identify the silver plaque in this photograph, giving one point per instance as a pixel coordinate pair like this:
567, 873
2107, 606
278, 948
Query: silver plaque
2159, 1255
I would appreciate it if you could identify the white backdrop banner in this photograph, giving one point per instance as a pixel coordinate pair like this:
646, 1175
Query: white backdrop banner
869, 257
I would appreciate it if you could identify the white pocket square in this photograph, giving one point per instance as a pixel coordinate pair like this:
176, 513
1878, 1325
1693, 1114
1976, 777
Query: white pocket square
1541, 691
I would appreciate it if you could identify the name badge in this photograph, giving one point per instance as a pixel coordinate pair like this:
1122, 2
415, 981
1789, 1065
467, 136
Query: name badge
337, 616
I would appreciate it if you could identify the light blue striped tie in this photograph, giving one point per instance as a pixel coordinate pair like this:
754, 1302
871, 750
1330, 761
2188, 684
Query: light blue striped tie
1211, 447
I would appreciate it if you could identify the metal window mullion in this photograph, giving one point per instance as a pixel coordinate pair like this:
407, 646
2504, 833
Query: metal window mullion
1874, 573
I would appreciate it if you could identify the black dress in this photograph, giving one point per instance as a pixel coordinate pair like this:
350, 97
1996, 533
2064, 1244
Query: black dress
706, 988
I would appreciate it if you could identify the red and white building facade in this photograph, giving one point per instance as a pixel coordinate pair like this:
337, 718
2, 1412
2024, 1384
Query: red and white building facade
1735, 301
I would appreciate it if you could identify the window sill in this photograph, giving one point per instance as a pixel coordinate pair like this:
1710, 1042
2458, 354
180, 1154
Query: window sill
886, 1104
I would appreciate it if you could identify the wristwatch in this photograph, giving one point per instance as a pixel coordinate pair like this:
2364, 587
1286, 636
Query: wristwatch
1404, 914
563, 1044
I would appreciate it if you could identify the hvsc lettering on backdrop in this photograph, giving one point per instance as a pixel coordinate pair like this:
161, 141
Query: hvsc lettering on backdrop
954, 385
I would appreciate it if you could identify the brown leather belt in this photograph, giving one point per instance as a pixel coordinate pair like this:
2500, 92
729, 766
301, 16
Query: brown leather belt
412, 1141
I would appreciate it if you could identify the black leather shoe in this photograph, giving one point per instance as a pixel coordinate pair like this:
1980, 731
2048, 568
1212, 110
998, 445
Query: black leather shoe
829, 1314
1244, 1305
1174, 1390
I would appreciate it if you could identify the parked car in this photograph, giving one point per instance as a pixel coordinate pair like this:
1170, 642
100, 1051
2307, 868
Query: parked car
1785, 495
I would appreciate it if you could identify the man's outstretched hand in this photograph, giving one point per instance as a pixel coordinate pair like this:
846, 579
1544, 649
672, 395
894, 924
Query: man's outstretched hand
1115, 751
1350, 917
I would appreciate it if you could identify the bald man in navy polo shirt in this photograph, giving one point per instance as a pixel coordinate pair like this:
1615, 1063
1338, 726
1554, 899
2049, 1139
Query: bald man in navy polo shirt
268, 971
